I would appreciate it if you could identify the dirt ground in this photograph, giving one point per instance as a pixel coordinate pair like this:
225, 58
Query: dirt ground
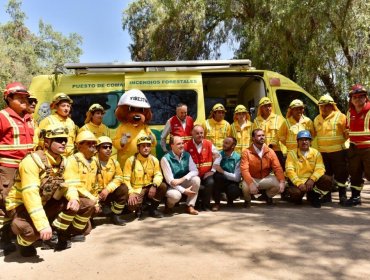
281, 242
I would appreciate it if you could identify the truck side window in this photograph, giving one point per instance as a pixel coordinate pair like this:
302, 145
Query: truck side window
286, 96
163, 103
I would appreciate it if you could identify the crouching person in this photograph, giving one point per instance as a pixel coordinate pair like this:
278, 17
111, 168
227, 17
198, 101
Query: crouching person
181, 175
110, 189
39, 192
80, 173
305, 169
143, 177
256, 164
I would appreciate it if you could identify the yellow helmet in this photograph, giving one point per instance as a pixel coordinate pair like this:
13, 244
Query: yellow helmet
296, 103
144, 139
93, 108
326, 99
104, 139
218, 107
240, 109
54, 131
60, 97
85, 136
264, 101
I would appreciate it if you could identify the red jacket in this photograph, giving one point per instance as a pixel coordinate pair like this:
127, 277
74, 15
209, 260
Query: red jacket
202, 160
178, 130
359, 126
252, 166
16, 137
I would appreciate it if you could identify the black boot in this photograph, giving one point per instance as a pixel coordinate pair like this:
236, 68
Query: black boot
27, 251
354, 200
314, 199
263, 196
153, 212
116, 219
342, 195
6, 244
139, 213
326, 198
64, 242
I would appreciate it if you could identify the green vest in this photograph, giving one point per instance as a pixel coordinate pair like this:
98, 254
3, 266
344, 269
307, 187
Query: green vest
229, 163
179, 168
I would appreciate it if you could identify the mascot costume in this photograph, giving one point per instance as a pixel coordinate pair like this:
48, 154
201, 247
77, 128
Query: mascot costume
133, 111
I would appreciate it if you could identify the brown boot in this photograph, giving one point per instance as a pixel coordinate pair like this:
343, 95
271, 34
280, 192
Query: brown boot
191, 210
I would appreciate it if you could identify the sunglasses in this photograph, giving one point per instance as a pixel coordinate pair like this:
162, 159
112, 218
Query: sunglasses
32, 100
107, 147
60, 140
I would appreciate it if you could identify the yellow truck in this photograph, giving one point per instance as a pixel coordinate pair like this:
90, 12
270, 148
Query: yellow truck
199, 84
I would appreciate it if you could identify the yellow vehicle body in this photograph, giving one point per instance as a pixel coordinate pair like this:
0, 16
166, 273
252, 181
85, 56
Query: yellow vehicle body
199, 84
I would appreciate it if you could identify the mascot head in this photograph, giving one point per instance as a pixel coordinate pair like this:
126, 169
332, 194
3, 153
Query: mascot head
134, 108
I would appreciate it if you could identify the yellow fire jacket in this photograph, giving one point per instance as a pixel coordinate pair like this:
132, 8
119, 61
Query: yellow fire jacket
68, 123
82, 175
243, 136
141, 172
216, 132
97, 130
290, 128
271, 126
331, 132
109, 176
299, 168
26, 189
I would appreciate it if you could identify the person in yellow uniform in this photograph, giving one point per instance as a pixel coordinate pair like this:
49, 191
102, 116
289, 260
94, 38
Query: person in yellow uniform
241, 128
305, 170
295, 122
94, 121
80, 173
216, 128
62, 105
143, 177
33, 201
332, 133
270, 123
110, 189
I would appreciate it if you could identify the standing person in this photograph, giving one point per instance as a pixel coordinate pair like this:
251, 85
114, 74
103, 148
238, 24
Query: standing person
94, 121
227, 176
16, 141
80, 173
179, 125
358, 117
306, 172
143, 177
270, 123
62, 104
332, 133
256, 164
295, 122
32, 200
181, 175
110, 189
216, 128
205, 156
241, 128
32, 102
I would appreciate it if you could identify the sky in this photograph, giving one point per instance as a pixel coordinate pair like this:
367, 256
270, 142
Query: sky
99, 22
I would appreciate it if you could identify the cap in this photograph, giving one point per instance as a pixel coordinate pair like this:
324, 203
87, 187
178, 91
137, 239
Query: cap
304, 134
144, 139
357, 89
134, 98
240, 109
54, 131
264, 101
326, 99
93, 108
15, 87
104, 139
218, 107
85, 136
58, 98
296, 103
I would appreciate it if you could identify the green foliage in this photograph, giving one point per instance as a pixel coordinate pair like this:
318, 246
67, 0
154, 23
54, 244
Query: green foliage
323, 45
24, 54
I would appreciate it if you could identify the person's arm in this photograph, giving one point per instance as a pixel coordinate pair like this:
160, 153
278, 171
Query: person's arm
168, 175
291, 170
193, 170
244, 168
236, 176
217, 157
319, 169
158, 177
165, 132
117, 179
127, 171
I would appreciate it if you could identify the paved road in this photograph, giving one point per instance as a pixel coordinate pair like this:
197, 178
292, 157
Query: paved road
282, 242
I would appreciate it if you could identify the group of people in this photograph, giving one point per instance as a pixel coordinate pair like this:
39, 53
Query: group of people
56, 177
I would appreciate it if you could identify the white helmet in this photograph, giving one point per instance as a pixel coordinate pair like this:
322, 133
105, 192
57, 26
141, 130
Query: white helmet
134, 98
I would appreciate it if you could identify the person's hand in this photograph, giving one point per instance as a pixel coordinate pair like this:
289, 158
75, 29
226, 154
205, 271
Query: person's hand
46, 233
176, 182
253, 188
302, 187
188, 192
309, 184
132, 199
152, 191
281, 187
103, 195
209, 173
219, 169
73, 204
124, 140
97, 209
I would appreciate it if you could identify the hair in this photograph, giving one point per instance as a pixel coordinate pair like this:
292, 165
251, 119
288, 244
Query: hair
197, 125
234, 140
172, 139
181, 105
255, 131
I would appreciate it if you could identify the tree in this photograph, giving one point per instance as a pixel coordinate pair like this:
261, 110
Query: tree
24, 54
323, 45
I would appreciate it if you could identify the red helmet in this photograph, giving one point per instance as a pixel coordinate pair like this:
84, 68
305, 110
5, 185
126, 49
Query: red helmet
15, 87
355, 89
